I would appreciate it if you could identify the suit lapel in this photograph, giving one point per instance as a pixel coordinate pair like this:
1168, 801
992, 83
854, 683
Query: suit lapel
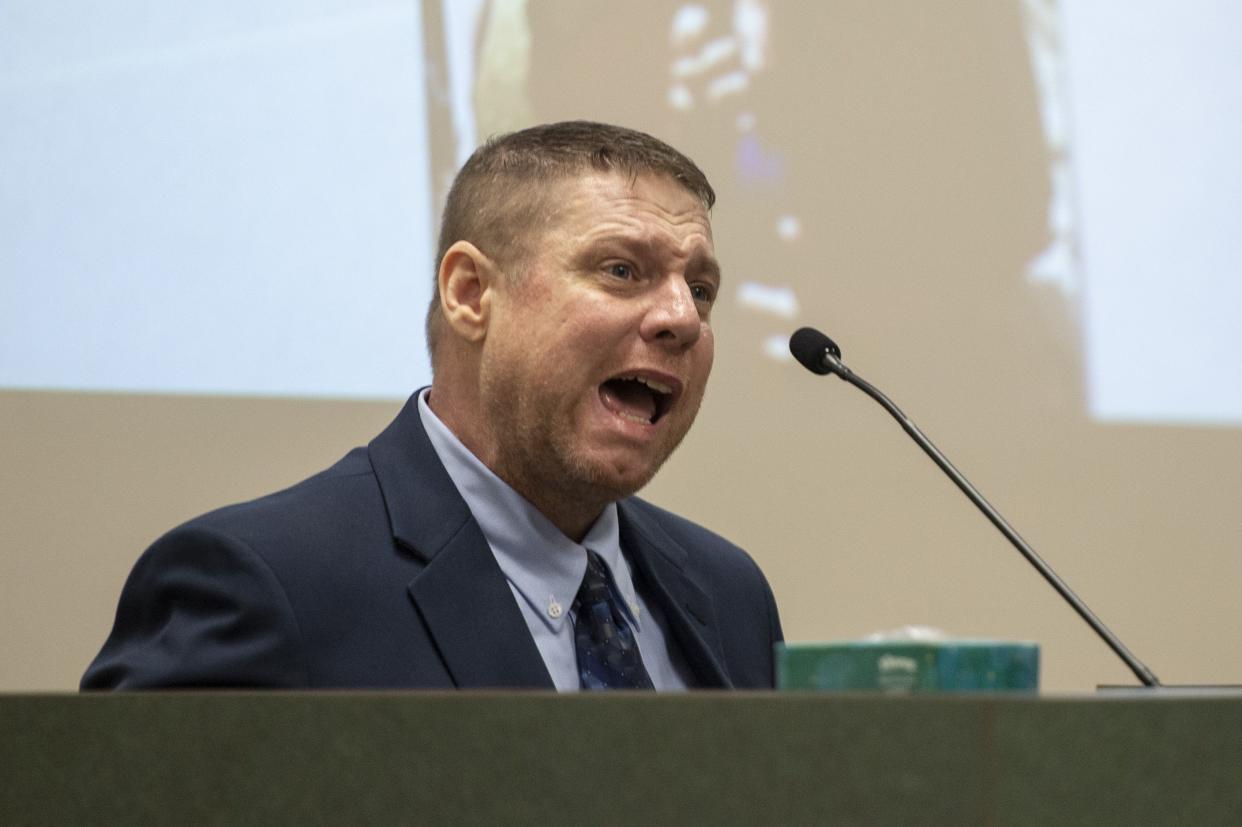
461, 595
470, 611
689, 611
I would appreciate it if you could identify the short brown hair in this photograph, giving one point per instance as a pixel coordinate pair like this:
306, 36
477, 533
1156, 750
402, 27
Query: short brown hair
501, 192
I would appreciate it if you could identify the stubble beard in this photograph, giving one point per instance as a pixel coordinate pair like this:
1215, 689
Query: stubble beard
540, 458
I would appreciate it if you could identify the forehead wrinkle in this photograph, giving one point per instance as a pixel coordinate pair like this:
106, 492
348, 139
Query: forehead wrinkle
601, 189
692, 248
637, 223
593, 211
694, 213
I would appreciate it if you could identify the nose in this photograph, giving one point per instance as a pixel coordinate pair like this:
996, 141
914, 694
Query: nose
673, 316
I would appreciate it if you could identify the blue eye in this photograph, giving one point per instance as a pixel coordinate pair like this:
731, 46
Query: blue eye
702, 293
621, 271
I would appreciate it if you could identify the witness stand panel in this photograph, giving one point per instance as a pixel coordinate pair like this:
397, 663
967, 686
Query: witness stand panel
700, 758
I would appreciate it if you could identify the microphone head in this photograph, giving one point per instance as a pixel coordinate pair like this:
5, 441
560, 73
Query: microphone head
808, 346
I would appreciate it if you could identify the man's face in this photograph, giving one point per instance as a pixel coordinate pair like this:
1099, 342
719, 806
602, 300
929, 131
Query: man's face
599, 347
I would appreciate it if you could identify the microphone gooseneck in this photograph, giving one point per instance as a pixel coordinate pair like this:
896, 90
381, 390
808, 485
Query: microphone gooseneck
819, 354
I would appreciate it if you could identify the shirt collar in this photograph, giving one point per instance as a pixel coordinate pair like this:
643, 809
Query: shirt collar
542, 564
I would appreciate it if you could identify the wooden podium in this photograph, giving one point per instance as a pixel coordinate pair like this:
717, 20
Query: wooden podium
701, 758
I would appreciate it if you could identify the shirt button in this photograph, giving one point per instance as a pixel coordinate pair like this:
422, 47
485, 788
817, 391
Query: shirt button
555, 610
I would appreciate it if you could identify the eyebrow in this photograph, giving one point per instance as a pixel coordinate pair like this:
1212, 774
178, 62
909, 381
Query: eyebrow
644, 241
710, 266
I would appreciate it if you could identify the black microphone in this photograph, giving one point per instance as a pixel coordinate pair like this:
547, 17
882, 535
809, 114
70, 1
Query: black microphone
810, 347
819, 354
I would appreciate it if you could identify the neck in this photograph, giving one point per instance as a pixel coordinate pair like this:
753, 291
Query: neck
574, 523
572, 512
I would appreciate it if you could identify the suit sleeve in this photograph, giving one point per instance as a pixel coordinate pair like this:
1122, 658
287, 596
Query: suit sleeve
776, 634
763, 626
200, 609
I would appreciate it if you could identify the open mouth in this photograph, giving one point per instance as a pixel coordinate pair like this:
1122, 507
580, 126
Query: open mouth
637, 398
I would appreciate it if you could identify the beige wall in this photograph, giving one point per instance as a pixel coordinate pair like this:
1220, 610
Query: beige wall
916, 164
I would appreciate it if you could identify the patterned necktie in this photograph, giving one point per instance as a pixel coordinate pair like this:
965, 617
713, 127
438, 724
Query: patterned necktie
608, 655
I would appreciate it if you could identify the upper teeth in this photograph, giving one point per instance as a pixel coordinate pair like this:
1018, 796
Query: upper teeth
658, 387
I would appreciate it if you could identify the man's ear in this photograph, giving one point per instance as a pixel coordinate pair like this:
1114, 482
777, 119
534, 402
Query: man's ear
465, 282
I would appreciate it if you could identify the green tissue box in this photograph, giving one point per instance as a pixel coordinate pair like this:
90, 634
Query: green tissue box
908, 666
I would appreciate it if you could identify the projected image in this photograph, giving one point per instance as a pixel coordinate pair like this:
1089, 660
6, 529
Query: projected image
823, 126
243, 200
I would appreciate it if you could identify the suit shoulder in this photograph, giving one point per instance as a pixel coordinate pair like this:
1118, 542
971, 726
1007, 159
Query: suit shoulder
328, 522
315, 501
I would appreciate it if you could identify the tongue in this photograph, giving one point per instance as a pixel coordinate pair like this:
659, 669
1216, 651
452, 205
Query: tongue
628, 397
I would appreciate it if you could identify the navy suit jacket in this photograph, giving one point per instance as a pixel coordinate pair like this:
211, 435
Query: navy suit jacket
373, 573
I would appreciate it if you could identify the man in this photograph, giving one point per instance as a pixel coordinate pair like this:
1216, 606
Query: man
489, 536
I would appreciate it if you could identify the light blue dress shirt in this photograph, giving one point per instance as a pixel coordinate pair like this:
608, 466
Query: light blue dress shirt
545, 568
